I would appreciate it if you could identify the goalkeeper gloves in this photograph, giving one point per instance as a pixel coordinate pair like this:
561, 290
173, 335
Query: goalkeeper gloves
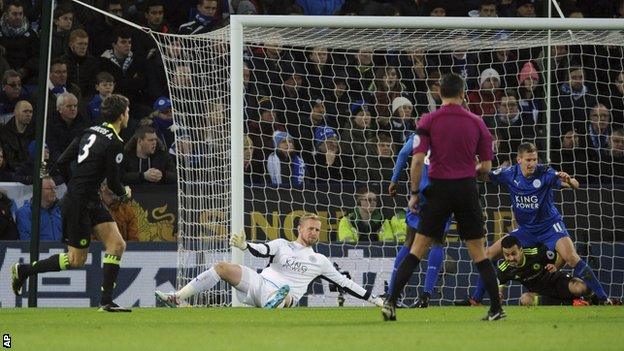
375, 300
238, 240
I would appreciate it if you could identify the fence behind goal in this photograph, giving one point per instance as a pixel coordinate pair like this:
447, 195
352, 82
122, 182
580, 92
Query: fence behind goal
327, 110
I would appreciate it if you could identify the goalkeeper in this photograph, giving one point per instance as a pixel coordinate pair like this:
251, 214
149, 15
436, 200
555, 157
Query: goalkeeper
292, 266
436, 253
535, 268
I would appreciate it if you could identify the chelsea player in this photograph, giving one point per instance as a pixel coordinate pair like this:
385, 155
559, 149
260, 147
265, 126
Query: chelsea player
436, 253
530, 186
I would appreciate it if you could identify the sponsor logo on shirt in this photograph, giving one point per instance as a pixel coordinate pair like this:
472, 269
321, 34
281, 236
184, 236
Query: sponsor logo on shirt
537, 183
294, 265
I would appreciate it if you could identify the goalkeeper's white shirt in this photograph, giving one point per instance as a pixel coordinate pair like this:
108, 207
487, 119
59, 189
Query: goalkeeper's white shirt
295, 265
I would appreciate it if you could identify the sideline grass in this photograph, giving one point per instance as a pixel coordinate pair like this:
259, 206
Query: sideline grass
320, 329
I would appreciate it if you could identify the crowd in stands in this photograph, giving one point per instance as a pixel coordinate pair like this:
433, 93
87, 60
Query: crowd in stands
311, 113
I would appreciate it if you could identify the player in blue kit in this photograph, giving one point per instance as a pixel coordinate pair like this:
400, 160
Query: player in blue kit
530, 187
436, 253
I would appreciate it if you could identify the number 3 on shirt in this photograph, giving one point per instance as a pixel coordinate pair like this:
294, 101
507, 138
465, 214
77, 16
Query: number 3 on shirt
85, 149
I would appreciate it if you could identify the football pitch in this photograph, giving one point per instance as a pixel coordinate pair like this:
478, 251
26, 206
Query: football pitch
319, 329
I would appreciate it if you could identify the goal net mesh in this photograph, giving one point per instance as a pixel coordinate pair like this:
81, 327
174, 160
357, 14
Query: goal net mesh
327, 110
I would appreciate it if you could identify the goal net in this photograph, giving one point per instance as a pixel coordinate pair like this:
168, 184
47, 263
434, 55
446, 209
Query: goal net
325, 112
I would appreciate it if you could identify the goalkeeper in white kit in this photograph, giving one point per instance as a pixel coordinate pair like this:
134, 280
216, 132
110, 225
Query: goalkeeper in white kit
293, 265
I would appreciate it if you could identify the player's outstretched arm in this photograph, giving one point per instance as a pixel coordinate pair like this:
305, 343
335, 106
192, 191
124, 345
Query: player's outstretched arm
267, 249
67, 157
330, 273
402, 158
567, 181
114, 156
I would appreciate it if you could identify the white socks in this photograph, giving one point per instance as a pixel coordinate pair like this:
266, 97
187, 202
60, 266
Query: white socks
202, 282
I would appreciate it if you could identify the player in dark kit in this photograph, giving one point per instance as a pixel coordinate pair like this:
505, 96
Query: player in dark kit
455, 138
536, 269
89, 159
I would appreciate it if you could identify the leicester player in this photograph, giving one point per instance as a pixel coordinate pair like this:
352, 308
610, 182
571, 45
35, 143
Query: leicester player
436, 253
90, 158
530, 187
535, 268
292, 267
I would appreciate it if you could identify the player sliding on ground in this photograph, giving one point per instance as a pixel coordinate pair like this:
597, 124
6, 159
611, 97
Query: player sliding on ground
293, 265
536, 269
530, 186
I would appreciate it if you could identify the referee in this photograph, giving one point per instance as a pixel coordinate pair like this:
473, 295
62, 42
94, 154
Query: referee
455, 137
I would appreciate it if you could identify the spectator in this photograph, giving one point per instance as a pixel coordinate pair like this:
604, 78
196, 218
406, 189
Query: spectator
403, 122
12, 92
366, 222
327, 158
429, 100
355, 134
154, 19
265, 65
24, 174
482, 102
337, 102
4, 65
436, 8
488, 8
50, 225
204, 21
64, 125
560, 62
320, 7
572, 157
505, 62
8, 227
617, 100
284, 165
379, 163
63, 22
104, 86
360, 72
253, 165
127, 68
575, 98
385, 89
162, 120
17, 134
512, 127
59, 84
261, 130
316, 68
412, 70
101, 31
599, 128
611, 167
82, 67
6, 173
19, 40
531, 98
525, 8
292, 101
146, 161
307, 123
122, 213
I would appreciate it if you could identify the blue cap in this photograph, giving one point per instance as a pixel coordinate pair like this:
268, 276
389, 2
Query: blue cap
323, 133
279, 136
357, 106
162, 103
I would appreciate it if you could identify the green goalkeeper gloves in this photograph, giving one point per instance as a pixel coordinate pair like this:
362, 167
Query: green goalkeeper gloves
238, 240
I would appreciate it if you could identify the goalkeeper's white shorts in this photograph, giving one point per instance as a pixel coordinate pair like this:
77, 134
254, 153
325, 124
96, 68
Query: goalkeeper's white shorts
254, 290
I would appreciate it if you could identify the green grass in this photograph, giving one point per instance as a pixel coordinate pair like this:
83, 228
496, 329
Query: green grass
320, 329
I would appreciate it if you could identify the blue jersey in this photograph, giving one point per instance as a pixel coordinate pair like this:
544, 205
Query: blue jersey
531, 198
411, 218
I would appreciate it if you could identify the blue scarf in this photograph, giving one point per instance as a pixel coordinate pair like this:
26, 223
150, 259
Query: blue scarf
205, 21
298, 171
575, 94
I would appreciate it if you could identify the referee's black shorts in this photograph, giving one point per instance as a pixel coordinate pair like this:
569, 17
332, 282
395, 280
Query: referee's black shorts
459, 197
79, 215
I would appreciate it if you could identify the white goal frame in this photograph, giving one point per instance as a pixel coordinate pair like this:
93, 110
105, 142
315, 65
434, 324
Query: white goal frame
239, 22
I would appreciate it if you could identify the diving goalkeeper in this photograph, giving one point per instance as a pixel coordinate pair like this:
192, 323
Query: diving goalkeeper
293, 265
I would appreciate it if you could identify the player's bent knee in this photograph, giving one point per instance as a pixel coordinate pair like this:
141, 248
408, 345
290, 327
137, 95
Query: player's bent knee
76, 260
577, 287
221, 268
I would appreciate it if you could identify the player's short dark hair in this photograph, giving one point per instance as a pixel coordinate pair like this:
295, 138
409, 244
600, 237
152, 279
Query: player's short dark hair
113, 107
451, 85
58, 61
526, 147
509, 241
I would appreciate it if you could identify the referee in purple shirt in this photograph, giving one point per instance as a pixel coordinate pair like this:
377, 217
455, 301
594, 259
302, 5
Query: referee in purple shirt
455, 137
